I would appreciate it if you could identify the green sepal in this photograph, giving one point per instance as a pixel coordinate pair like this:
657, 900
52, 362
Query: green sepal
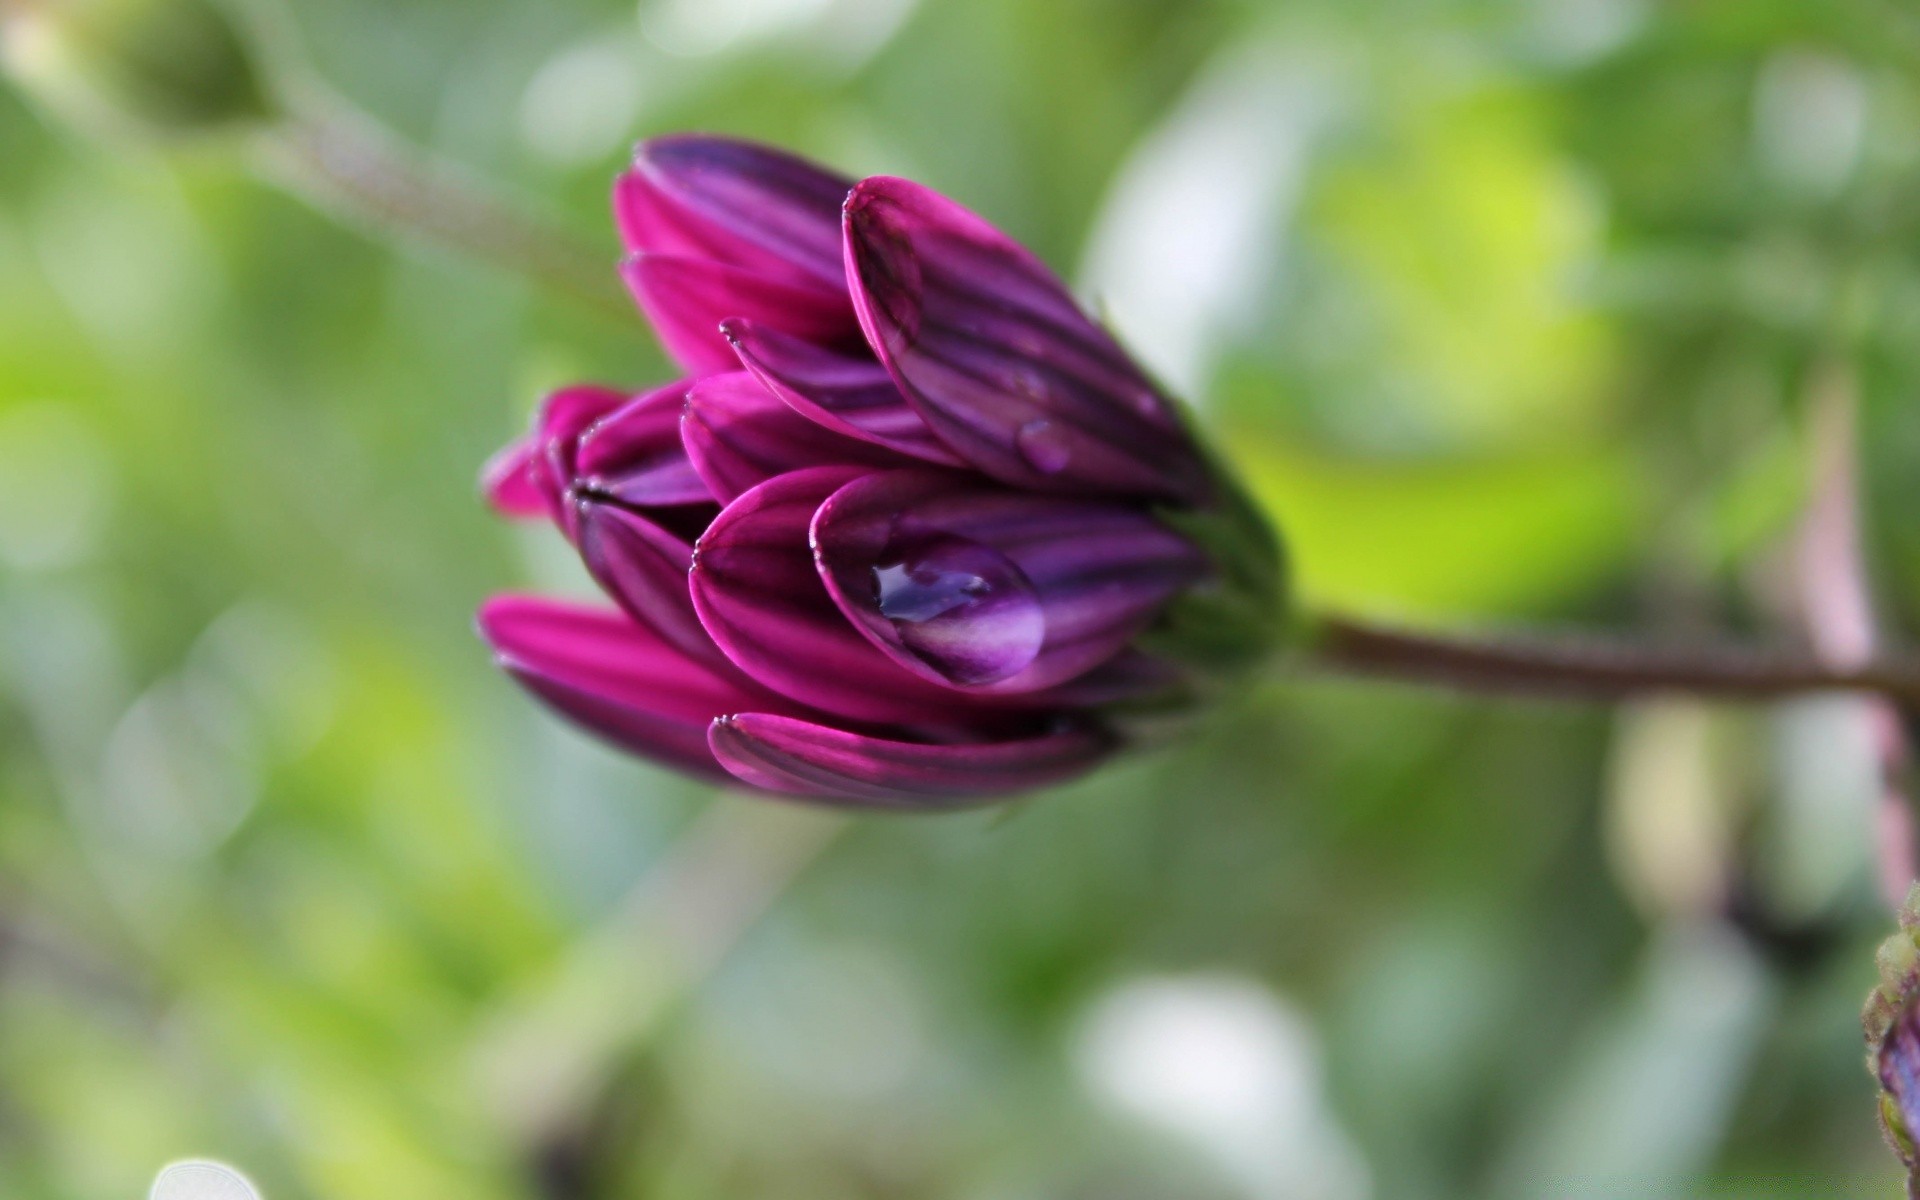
1232, 622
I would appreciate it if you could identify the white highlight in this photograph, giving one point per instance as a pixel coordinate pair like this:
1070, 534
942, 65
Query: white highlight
1188, 241
1810, 119
834, 34
1572, 32
1645, 1102
201, 1180
582, 105
1222, 1064
1828, 772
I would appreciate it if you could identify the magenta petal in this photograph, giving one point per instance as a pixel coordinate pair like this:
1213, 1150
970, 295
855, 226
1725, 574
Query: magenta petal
644, 568
613, 677
634, 454
782, 754
981, 587
564, 417
994, 353
735, 202
508, 480
852, 396
686, 299
759, 596
739, 435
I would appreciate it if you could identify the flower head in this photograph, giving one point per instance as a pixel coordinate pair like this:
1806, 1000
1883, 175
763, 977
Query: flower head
911, 531
1892, 1024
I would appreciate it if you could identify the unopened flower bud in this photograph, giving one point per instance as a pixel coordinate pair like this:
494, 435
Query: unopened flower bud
912, 531
165, 67
1891, 1021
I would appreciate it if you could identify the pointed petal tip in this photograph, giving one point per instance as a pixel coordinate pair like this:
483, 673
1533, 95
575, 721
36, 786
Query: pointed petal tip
507, 483
865, 191
669, 152
689, 299
486, 618
898, 201
1000, 359
635, 456
734, 201
739, 433
853, 395
611, 677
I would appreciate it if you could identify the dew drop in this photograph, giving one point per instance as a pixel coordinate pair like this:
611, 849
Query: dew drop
1149, 404
1044, 444
1031, 384
960, 607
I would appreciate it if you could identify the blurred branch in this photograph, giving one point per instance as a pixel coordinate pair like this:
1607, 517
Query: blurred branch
1588, 667
342, 162
546, 1057
176, 72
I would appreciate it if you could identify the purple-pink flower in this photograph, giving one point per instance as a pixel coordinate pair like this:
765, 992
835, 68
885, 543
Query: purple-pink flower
912, 530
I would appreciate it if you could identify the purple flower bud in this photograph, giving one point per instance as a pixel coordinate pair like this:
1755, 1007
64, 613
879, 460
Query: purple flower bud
1892, 1024
916, 533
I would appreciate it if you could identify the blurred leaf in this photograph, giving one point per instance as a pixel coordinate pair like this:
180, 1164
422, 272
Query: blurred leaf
1464, 238
1446, 539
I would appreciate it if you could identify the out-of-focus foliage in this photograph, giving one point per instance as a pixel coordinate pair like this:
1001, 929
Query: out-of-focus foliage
1509, 308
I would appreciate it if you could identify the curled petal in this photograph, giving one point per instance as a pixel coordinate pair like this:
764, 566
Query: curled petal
686, 299
644, 567
985, 588
739, 435
759, 596
634, 454
798, 757
508, 480
564, 418
613, 677
855, 396
994, 353
735, 202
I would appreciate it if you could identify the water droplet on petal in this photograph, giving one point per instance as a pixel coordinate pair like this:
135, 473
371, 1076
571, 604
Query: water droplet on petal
1044, 444
1031, 384
1150, 404
961, 607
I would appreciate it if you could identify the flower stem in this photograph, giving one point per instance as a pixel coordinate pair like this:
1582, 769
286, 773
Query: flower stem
343, 163
1587, 667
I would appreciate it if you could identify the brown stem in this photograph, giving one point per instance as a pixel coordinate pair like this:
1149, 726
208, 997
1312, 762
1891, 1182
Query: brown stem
343, 162
1587, 667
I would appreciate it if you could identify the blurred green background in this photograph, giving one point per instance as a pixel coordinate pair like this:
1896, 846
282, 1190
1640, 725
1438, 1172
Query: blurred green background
1512, 310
